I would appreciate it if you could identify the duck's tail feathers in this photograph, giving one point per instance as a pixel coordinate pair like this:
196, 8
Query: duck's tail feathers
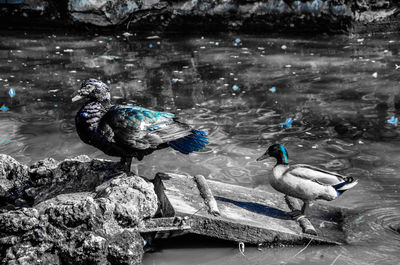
347, 184
195, 141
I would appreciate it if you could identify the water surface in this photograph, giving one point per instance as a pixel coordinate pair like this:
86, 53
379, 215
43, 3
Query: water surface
340, 92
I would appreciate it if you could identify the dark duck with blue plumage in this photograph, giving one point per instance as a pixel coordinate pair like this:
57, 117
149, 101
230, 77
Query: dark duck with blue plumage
130, 131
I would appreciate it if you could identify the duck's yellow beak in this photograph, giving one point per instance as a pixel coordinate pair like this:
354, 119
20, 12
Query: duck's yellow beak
263, 157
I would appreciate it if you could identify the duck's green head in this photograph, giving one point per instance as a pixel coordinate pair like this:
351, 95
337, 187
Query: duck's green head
278, 151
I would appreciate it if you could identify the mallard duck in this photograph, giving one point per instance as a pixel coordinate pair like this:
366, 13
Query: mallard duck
304, 182
130, 131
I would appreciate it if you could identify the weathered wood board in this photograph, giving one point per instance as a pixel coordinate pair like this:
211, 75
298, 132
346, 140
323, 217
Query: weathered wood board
246, 215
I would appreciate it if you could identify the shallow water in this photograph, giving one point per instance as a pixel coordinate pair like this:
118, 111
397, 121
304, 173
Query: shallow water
327, 85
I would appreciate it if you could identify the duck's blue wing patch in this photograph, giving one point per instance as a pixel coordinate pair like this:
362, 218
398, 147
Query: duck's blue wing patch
134, 126
195, 141
140, 128
139, 118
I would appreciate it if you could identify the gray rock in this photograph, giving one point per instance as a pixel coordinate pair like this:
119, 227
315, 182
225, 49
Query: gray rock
36, 5
132, 206
125, 248
82, 211
50, 178
13, 179
106, 12
270, 13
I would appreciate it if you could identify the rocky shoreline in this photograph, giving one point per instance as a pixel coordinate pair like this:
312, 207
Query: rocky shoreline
251, 15
78, 211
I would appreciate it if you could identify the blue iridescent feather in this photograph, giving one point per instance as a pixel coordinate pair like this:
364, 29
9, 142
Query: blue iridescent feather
190, 143
284, 152
139, 114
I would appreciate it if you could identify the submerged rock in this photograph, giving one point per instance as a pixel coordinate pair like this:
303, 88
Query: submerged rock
79, 211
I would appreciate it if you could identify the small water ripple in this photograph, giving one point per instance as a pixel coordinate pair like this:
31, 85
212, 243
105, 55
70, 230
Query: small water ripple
378, 227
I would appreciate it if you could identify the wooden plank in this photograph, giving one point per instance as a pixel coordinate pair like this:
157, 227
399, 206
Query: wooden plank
246, 215
206, 193
168, 227
163, 224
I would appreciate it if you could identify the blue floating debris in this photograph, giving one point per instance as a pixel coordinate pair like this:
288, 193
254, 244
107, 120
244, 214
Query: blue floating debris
11, 92
235, 44
174, 80
11, 1
393, 120
3, 108
158, 42
288, 123
235, 87
272, 89
283, 47
110, 39
150, 45
237, 40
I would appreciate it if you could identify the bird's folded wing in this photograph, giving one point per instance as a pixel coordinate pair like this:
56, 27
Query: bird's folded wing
316, 174
141, 128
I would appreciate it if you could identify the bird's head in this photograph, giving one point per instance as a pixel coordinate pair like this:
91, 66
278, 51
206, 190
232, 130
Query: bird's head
278, 151
93, 90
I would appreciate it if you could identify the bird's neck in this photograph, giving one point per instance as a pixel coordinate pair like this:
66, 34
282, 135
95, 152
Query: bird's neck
105, 103
281, 160
90, 114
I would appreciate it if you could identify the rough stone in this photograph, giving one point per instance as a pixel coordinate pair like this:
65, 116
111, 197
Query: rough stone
125, 248
277, 15
13, 178
106, 12
51, 178
82, 211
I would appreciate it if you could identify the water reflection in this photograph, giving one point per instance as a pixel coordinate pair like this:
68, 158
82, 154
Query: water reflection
326, 84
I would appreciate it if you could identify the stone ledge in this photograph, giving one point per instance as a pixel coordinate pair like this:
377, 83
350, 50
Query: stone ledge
72, 212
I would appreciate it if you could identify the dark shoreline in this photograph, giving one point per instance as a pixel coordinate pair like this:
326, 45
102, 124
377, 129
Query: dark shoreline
213, 16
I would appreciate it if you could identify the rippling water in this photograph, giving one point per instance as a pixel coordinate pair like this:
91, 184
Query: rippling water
340, 92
